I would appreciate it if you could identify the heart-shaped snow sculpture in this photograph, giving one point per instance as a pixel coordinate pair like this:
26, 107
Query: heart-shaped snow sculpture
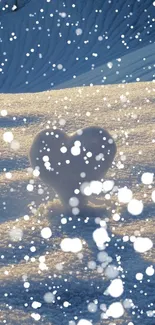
67, 162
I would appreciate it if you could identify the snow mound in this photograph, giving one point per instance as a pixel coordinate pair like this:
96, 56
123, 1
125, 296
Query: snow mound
57, 44
63, 169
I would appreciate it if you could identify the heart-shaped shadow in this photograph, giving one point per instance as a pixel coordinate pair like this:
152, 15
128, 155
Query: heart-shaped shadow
69, 162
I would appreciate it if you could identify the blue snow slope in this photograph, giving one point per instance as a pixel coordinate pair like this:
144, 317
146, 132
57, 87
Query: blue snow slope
57, 44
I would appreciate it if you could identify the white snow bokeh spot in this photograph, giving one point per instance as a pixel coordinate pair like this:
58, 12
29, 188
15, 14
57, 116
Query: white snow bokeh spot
135, 207
116, 288
124, 195
115, 310
46, 233
73, 245
8, 136
142, 244
147, 178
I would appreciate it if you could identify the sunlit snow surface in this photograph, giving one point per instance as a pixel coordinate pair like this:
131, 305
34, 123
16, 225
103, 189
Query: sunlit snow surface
56, 44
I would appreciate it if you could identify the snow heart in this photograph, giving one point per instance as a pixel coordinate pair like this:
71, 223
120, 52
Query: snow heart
66, 162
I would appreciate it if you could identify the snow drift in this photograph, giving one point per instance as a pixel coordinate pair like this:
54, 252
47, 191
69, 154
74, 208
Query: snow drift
56, 44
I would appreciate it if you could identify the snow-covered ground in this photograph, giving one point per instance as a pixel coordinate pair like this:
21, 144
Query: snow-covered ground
37, 264
56, 44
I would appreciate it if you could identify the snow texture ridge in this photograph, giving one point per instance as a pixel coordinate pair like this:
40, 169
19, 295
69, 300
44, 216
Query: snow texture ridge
56, 44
